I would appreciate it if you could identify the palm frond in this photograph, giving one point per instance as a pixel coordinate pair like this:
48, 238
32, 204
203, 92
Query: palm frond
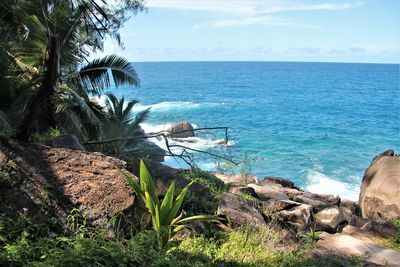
96, 76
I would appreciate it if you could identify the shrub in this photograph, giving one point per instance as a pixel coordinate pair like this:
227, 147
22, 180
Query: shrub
164, 215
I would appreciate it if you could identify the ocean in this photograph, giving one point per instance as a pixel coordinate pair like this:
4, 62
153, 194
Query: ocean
317, 124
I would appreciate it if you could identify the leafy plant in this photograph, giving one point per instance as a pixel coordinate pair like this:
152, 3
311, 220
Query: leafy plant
165, 218
397, 237
311, 236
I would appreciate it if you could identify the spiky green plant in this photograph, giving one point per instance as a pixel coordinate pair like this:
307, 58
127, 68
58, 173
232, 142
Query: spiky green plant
164, 215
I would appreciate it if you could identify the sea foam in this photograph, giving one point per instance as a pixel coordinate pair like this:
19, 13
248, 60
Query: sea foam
320, 183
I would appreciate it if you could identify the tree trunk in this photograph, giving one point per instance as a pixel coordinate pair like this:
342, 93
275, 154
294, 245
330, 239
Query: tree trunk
39, 112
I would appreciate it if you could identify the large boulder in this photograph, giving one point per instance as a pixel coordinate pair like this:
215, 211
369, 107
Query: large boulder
181, 130
52, 182
239, 211
380, 188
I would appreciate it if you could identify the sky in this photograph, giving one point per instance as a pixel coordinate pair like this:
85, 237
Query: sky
263, 30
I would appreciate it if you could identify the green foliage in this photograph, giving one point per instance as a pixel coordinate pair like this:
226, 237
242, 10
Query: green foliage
41, 138
216, 186
5, 179
397, 238
248, 197
311, 236
164, 215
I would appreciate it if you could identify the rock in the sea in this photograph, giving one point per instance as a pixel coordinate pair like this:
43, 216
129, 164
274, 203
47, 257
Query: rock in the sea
380, 188
181, 130
51, 182
332, 216
239, 212
66, 141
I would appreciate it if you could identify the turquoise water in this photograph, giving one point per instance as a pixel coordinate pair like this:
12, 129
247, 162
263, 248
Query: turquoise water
318, 124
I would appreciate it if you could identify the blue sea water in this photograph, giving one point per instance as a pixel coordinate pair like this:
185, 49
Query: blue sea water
318, 124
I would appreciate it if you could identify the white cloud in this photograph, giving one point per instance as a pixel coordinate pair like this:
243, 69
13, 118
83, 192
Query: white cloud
250, 7
264, 20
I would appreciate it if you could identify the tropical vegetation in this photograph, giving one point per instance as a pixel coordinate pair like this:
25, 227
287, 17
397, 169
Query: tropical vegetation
48, 76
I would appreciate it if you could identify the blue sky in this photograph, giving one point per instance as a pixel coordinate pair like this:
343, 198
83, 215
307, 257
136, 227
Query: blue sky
264, 30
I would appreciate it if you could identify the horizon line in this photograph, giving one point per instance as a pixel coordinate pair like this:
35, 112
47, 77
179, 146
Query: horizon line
261, 61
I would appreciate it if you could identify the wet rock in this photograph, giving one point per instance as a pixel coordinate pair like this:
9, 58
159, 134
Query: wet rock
380, 188
239, 212
181, 130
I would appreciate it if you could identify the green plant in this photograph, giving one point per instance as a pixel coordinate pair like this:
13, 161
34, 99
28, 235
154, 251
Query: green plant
311, 236
216, 186
397, 237
164, 215
5, 179
41, 138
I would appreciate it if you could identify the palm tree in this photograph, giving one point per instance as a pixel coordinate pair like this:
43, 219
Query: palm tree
120, 123
55, 38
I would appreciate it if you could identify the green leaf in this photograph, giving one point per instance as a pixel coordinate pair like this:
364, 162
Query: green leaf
177, 204
197, 218
135, 185
146, 178
166, 204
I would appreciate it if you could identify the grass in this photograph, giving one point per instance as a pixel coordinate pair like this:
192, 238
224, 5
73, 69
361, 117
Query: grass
23, 243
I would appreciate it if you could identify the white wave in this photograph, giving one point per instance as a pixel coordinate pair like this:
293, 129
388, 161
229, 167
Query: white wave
167, 106
159, 107
196, 143
319, 183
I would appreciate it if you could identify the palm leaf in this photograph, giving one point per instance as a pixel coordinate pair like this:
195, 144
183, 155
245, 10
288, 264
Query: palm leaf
96, 77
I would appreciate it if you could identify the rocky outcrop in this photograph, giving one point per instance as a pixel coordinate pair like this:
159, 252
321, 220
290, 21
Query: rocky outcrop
181, 130
239, 212
332, 217
380, 188
355, 242
51, 182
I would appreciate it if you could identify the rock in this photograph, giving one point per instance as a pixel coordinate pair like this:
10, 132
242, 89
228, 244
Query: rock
301, 214
332, 216
181, 130
150, 150
51, 182
243, 190
66, 141
380, 228
380, 188
354, 243
319, 202
357, 221
350, 208
240, 179
274, 205
269, 191
239, 212
277, 180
